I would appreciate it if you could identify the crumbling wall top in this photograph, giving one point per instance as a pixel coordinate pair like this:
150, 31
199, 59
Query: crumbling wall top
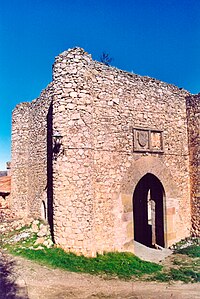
78, 60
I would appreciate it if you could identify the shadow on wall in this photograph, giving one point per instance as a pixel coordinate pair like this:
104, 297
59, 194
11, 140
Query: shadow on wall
50, 169
8, 287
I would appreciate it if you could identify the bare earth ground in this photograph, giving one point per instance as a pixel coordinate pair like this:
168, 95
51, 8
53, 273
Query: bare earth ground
23, 279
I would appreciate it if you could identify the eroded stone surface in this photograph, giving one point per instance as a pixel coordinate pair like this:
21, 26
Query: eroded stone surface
193, 113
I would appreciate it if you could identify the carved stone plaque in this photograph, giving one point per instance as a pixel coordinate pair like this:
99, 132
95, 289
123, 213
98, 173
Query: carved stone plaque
156, 141
147, 140
143, 138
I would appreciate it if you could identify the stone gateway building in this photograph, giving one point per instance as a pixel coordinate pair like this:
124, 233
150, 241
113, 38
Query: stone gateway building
107, 157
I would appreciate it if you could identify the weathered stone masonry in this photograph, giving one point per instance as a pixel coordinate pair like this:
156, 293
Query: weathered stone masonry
193, 115
29, 155
116, 128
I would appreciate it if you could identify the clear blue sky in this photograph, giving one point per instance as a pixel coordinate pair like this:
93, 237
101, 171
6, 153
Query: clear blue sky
160, 39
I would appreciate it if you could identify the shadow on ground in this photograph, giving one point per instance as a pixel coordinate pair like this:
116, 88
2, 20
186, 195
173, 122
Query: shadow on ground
9, 289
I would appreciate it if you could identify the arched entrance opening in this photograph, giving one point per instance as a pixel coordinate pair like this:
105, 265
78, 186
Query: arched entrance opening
148, 211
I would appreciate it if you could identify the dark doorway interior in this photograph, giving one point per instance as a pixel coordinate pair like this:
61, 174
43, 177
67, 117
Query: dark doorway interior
148, 211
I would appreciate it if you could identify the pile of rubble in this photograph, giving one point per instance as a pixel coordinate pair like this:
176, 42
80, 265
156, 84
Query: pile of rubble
25, 230
43, 233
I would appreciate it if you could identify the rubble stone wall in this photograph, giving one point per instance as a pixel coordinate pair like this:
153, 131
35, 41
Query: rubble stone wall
96, 108
116, 127
4, 201
73, 170
29, 155
193, 111
37, 164
20, 157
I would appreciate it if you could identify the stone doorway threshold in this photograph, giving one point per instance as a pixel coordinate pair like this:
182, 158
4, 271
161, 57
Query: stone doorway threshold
151, 254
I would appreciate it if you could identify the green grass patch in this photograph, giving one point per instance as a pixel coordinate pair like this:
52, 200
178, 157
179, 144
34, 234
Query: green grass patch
182, 274
187, 266
184, 266
122, 265
192, 251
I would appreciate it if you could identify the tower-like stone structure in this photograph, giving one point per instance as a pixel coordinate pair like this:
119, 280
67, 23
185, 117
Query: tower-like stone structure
122, 156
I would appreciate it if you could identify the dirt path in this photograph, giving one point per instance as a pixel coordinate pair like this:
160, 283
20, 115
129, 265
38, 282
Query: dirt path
23, 279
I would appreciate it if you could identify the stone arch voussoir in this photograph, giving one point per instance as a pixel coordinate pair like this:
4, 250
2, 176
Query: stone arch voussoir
137, 170
153, 165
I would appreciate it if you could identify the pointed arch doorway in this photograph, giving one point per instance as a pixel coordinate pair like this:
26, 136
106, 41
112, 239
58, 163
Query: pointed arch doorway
148, 211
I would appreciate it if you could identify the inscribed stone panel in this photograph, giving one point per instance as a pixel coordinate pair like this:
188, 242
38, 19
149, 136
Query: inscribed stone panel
147, 140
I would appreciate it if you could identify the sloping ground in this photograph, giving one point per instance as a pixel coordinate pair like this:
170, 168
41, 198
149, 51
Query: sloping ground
150, 254
23, 279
